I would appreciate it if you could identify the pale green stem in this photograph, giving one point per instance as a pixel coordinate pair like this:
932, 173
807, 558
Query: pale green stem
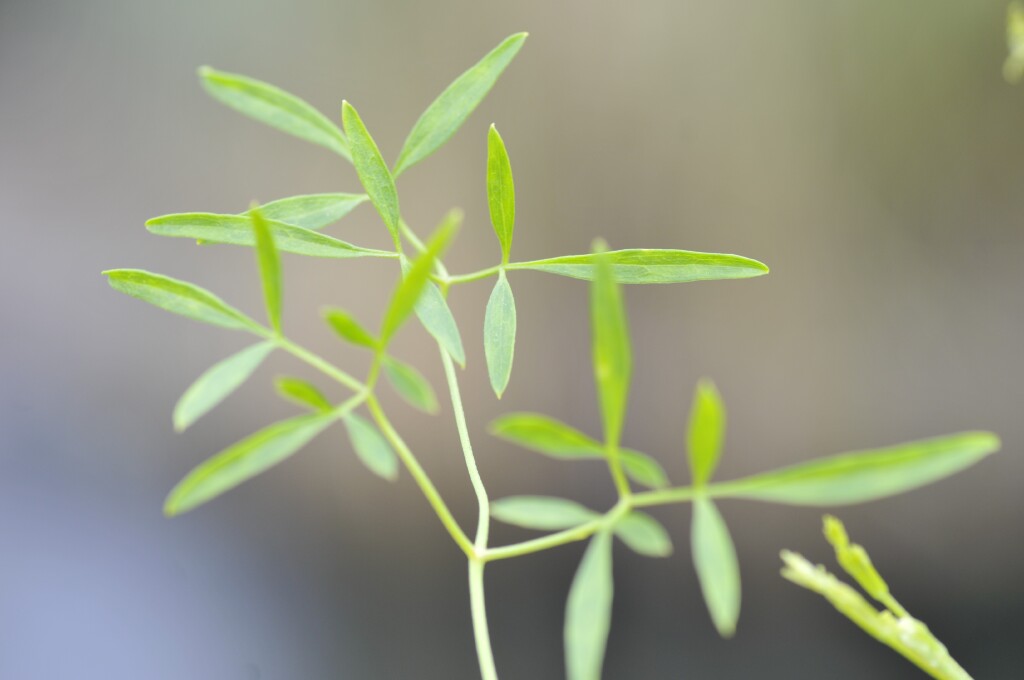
474, 276
478, 607
577, 533
318, 363
618, 474
421, 478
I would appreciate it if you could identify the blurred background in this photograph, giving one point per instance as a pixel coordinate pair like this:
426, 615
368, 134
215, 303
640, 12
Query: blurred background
869, 152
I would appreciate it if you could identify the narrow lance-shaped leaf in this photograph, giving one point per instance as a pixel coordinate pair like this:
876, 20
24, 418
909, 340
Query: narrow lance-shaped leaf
311, 211
436, 317
237, 230
270, 268
557, 440
541, 512
705, 432
415, 277
179, 297
652, 266
245, 460
612, 357
501, 193
371, 447
448, 112
432, 309
410, 384
500, 334
302, 393
372, 170
349, 329
588, 612
643, 534
220, 380
275, 107
866, 475
718, 570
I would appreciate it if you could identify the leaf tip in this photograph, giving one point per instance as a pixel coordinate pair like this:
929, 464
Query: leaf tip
205, 71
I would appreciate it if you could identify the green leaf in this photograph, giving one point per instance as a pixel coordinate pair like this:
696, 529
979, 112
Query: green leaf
557, 440
302, 393
371, 447
245, 460
652, 266
270, 268
500, 334
220, 380
275, 107
643, 469
415, 277
372, 170
449, 111
718, 570
706, 432
501, 192
541, 512
410, 384
349, 329
866, 475
643, 534
312, 211
237, 230
612, 358
588, 613
179, 297
436, 317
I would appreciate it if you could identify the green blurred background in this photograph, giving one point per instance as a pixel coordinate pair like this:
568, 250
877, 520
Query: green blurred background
869, 152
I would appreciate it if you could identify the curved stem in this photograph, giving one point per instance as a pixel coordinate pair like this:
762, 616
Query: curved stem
474, 276
421, 478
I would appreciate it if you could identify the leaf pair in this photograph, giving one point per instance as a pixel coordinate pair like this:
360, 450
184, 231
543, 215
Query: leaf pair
288, 113
556, 439
638, 530
500, 316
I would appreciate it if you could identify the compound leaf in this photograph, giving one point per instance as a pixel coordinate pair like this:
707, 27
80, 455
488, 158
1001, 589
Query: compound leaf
448, 112
217, 382
275, 107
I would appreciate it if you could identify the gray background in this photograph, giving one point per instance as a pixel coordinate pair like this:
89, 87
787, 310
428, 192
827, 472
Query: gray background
869, 152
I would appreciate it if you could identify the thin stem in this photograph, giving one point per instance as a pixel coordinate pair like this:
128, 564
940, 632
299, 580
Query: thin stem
618, 474
483, 522
319, 363
421, 478
478, 607
474, 276
577, 533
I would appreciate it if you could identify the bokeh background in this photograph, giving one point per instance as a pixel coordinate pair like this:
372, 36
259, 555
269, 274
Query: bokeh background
869, 152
